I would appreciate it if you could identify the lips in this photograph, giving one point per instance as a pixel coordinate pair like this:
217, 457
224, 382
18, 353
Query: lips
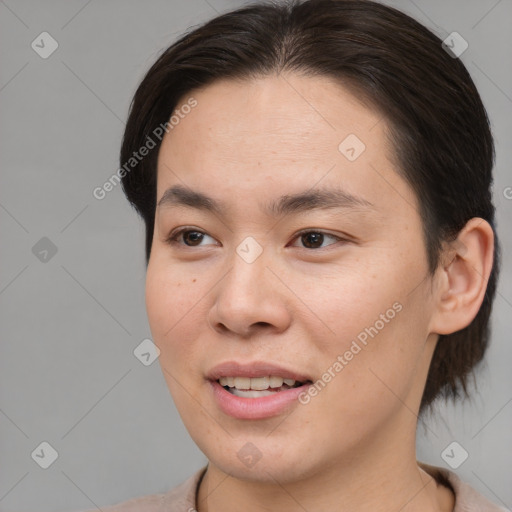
253, 404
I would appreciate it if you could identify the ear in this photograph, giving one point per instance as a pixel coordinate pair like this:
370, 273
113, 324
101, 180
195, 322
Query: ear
462, 276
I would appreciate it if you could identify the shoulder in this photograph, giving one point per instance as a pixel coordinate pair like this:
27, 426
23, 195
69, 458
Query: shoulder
467, 499
181, 498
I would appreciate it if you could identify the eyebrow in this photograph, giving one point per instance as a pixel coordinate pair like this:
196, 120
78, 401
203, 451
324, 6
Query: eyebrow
317, 199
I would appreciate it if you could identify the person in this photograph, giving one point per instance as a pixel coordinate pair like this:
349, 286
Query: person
314, 177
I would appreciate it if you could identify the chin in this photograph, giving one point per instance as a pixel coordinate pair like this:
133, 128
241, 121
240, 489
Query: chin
260, 459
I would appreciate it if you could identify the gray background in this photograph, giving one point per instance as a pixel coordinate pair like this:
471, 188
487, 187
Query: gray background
70, 324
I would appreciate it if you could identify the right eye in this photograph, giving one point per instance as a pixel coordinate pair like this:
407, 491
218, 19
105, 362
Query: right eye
188, 237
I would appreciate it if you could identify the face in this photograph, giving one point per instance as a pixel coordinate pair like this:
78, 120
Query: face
329, 289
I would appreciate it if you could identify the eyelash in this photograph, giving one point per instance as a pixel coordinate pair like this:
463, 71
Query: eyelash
172, 239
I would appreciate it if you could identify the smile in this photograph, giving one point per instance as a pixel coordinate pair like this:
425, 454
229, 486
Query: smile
257, 387
255, 390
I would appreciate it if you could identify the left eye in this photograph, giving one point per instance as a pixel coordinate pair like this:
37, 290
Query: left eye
315, 239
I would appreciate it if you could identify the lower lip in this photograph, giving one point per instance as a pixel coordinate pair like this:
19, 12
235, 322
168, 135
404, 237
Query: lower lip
256, 408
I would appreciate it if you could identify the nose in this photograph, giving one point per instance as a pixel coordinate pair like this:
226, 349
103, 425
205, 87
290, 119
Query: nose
250, 299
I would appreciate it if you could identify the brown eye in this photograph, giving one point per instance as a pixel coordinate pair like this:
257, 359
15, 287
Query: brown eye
187, 237
312, 240
192, 238
316, 239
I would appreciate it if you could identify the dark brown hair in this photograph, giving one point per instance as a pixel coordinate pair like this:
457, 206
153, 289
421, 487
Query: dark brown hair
438, 126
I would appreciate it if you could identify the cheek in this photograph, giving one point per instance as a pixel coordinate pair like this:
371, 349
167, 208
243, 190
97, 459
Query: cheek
169, 295
343, 301
174, 312
383, 359
174, 315
378, 323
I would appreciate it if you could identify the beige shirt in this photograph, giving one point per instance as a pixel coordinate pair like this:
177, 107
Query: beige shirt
183, 497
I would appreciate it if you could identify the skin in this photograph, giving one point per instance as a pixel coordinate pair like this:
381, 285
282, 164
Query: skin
354, 443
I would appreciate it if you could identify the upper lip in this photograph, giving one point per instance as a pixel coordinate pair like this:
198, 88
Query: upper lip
254, 369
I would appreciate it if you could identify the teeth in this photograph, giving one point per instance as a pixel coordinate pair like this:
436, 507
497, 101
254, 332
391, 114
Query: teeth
242, 382
255, 383
276, 382
260, 383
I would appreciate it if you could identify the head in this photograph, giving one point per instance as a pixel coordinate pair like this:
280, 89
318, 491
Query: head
332, 165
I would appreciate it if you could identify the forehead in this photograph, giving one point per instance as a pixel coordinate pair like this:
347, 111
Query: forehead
299, 115
283, 132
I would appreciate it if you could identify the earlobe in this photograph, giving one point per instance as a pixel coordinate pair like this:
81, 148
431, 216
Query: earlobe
464, 271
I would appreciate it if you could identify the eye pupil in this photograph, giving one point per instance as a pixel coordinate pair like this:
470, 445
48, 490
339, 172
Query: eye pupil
193, 236
312, 239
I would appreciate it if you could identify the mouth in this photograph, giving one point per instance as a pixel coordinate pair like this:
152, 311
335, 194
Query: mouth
258, 387
257, 390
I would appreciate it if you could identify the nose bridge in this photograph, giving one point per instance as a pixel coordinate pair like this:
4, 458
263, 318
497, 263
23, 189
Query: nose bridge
247, 296
248, 275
